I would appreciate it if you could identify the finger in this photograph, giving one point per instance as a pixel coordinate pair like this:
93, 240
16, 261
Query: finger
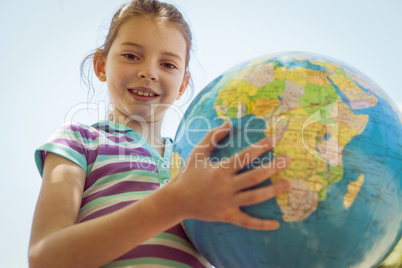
240, 160
260, 173
244, 220
258, 195
210, 141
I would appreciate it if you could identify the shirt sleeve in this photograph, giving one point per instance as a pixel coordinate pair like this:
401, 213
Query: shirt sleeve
67, 141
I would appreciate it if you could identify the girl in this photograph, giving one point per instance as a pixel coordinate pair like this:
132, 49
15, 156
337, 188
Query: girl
101, 203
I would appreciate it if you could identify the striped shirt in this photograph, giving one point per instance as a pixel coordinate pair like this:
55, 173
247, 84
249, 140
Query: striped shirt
121, 167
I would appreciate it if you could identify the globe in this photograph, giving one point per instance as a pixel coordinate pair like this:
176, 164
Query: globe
344, 136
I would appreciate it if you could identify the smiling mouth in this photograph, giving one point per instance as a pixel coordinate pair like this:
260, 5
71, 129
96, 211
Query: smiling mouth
142, 93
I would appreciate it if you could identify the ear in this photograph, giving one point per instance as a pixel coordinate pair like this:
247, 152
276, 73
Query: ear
99, 63
184, 84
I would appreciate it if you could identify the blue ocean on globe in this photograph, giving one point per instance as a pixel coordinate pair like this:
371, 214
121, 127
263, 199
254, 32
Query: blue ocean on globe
344, 136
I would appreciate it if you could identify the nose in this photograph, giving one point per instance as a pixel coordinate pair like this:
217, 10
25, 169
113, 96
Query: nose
148, 71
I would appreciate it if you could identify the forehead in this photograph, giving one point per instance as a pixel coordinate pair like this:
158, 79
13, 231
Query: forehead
152, 34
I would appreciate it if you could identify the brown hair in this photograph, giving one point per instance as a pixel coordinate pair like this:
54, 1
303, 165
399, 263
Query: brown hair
164, 12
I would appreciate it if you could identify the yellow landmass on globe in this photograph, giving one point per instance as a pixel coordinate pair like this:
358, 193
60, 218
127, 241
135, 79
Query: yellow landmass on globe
358, 99
315, 183
298, 75
302, 76
243, 88
317, 78
262, 106
353, 189
175, 164
234, 99
331, 67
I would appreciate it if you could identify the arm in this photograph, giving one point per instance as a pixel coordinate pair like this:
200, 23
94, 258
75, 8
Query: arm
57, 241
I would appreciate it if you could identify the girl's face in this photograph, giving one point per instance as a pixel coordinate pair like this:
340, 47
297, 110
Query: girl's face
145, 69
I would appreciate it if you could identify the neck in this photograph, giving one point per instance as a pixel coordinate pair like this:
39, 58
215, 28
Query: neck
149, 129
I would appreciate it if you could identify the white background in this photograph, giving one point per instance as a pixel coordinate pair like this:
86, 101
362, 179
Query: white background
43, 42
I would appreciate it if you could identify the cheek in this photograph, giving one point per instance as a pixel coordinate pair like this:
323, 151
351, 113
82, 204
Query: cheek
117, 71
116, 87
118, 80
176, 83
120, 75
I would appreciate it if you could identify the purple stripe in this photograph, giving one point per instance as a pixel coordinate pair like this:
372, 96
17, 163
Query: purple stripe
95, 134
163, 252
105, 149
73, 144
116, 168
43, 156
119, 139
105, 127
105, 211
119, 150
84, 132
121, 187
90, 132
116, 139
177, 230
92, 156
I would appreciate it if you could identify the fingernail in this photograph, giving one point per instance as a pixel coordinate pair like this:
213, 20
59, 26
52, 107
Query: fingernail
226, 124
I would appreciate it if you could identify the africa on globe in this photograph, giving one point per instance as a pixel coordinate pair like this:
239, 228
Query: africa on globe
344, 136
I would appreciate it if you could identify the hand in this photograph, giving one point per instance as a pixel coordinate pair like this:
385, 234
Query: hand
213, 191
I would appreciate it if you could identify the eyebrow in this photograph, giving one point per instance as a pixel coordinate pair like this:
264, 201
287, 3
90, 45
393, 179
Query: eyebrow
131, 44
167, 53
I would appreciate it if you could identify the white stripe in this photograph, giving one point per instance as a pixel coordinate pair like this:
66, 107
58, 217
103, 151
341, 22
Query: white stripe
132, 177
124, 158
108, 203
93, 144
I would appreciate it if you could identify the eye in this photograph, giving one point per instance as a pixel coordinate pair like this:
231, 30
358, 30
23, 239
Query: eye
169, 65
129, 56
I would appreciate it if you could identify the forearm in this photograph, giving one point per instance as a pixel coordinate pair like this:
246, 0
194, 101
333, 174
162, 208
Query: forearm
99, 241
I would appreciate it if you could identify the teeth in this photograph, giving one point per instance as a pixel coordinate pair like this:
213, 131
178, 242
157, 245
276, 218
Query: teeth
143, 93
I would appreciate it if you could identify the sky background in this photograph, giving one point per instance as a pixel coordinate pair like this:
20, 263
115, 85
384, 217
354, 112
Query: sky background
44, 41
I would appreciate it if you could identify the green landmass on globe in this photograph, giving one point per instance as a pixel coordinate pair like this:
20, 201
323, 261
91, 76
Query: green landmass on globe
344, 136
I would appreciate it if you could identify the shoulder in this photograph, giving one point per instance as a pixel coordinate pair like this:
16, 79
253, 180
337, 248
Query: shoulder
76, 130
84, 134
73, 141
